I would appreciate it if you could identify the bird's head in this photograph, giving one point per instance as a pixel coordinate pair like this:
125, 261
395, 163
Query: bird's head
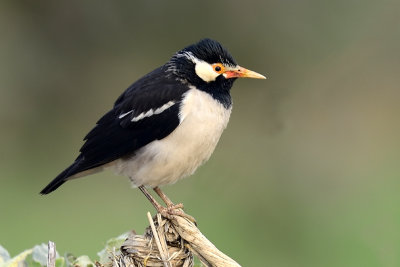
207, 65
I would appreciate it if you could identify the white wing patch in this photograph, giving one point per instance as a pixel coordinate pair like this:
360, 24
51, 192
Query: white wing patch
124, 114
148, 113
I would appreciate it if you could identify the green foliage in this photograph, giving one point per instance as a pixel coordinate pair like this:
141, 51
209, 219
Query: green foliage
111, 246
37, 256
4, 255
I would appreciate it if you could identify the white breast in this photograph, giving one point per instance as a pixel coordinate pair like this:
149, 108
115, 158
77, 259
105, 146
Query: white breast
202, 121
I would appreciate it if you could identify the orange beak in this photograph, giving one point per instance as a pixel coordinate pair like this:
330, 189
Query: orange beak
240, 72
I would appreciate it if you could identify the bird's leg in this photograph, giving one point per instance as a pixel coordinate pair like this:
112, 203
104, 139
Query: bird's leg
165, 212
173, 209
166, 199
156, 205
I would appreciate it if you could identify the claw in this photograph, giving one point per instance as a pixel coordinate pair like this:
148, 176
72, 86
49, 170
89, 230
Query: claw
175, 210
171, 209
175, 206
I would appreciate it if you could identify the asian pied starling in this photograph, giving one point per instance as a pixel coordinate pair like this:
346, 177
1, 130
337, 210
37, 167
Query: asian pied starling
164, 125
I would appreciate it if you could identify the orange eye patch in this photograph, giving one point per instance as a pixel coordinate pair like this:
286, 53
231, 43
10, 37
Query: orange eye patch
218, 68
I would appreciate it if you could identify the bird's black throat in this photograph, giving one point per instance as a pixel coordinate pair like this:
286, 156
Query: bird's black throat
218, 89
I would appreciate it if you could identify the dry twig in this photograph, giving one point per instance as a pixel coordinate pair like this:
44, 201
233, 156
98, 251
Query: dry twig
170, 242
52, 254
167, 242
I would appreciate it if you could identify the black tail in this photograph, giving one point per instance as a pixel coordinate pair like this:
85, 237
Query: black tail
78, 167
63, 177
58, 181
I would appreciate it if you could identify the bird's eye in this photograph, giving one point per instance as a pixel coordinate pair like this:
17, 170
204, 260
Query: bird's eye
218, 68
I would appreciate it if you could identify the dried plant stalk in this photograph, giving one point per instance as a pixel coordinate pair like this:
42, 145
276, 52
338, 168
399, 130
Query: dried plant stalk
170, 242
52, 254
200, 245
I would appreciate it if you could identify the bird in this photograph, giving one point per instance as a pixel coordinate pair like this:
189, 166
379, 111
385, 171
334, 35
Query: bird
165, 125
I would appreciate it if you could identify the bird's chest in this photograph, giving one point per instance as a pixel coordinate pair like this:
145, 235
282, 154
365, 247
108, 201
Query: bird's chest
202, 121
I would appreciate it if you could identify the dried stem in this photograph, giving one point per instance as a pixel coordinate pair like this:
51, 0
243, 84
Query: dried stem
162, 247
202, 247
51, 256
177, 236
167, 242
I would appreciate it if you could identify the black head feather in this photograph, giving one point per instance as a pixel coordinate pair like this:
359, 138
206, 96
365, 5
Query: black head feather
182, 66
206, 50
210, 51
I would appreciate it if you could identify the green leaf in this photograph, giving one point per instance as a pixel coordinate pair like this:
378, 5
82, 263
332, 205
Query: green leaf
19, 259
30, 262
69, 259
83, 261
39, 254
112, 245
60, 262
4, 255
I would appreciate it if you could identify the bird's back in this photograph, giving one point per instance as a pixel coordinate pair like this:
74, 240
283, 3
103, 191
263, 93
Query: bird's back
131, 124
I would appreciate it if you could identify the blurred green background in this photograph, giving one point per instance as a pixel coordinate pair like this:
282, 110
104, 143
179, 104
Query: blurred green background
307, 172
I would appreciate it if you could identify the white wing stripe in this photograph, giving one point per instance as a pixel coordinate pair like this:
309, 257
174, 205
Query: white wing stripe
124, 114
152, 112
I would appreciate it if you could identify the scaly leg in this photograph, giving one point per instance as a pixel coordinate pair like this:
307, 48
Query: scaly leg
156, 205
166, 212
166, 199
173, 209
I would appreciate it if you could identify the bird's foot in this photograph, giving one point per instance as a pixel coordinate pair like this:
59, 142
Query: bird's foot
171, 209
175, 209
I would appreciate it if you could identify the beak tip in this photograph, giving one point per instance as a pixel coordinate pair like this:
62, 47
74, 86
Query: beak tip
252, 74
259, 76
240, 72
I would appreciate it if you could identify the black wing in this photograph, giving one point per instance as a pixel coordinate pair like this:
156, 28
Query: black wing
122, 130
